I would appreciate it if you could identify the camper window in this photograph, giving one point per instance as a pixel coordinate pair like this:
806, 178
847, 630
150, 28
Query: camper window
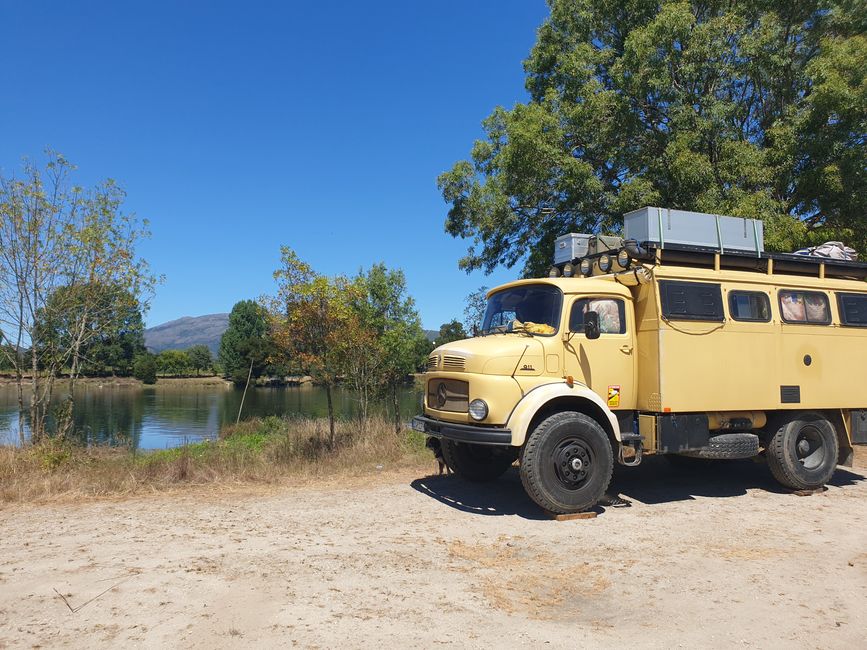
750, 306
805, 307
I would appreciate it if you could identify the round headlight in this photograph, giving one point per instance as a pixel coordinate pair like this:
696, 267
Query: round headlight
568, 270
605, 263
553, 272
478, 409
586, 267
623, 259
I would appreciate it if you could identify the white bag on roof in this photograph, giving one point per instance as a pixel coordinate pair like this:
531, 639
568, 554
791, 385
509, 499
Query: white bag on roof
835, 250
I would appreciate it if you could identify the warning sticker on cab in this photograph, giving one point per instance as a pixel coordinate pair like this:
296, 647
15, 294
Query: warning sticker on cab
614, 396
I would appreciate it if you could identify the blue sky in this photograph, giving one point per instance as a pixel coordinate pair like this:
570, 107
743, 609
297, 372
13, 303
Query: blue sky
238, 127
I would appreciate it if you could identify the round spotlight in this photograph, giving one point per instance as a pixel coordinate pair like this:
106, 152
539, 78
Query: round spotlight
554, 272
586, 267
623, 259
605, 263
568, 270
478, 409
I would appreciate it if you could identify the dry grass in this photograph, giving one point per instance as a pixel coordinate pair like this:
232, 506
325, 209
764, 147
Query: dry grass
258, 451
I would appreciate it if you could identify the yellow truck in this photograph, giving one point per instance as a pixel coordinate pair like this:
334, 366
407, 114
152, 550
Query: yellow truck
657, 346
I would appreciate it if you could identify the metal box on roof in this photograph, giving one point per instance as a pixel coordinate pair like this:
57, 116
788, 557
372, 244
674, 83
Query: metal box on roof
571, 246
666, 226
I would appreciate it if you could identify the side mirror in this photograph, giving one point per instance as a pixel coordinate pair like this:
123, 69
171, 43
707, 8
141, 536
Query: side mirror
591, 325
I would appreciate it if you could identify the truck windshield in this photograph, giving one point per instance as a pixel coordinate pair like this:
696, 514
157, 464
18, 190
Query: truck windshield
539, 304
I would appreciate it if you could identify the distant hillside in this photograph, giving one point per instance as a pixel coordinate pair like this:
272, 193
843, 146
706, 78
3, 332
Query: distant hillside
186, 332
431, 334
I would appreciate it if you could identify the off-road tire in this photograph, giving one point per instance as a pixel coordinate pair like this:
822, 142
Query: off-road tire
478, 463
802, 453
727, 446
546, 470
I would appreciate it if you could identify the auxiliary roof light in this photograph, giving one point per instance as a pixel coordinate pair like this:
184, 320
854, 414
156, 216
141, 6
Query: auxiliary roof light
568, 270
586, 267
623, 259
554, 272
605, 263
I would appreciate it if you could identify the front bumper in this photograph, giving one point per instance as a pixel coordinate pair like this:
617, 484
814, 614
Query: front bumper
462, 432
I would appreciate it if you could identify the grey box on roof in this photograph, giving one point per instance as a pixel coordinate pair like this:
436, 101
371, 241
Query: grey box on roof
571, 246
666, 226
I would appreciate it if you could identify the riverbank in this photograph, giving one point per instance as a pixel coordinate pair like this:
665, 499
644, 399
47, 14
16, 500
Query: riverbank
259, 451
131, 382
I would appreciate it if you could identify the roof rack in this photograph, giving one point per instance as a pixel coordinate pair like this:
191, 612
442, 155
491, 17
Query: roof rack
712, 258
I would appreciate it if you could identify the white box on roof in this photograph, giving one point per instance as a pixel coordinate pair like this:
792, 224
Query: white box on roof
666, 226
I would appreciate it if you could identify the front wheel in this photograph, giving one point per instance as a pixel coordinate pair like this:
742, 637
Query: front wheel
567, 463
479, 463
802, 454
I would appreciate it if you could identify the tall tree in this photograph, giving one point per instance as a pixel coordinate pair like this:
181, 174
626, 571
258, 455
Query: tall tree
245, 344
54, 234
311, 318
754, 109
399, 344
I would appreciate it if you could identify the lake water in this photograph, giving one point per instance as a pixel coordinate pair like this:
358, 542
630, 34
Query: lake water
156, 417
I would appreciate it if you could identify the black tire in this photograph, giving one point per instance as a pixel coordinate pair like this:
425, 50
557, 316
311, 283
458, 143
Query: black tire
478, 463
802, 454
727, 446
549, 472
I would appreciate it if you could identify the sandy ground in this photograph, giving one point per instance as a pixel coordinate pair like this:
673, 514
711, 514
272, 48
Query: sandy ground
709, 558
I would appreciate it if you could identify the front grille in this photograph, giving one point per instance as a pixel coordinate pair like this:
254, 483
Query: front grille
453, 363
448, 395
433, 361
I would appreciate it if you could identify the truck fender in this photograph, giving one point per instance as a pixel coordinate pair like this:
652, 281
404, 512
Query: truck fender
537, 398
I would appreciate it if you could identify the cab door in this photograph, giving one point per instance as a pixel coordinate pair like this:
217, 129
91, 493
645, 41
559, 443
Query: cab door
606, 364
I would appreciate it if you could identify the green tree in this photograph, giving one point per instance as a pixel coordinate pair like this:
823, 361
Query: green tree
397, 341
100, 325
145, 368
749, 109
245, 342
173, 363
200, 358
62, 245
451, 331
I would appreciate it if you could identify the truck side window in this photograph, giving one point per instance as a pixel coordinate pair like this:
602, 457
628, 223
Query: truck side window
691, 300
853, 309
808, 307
612, 315
750, 306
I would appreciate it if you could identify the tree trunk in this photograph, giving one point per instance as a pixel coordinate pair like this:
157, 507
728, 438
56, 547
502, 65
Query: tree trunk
244, 395
330, 414
396, 404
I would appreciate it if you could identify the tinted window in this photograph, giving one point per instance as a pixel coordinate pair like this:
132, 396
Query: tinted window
853, 309
750, 305
691, 300
612, 315
808, 307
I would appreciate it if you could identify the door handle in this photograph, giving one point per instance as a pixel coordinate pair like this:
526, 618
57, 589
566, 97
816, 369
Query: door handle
626, 349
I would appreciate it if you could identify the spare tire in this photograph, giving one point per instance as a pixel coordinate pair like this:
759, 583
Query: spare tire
727, 446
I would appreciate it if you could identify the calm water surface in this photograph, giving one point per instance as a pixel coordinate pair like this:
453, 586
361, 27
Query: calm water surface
155, 417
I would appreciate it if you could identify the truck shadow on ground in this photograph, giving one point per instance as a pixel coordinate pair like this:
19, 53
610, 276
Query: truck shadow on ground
654, 482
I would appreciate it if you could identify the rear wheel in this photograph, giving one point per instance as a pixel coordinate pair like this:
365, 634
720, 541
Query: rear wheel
802, 454
478, 463
567, 463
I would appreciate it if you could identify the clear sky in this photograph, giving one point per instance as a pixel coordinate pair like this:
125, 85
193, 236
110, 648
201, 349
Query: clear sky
236, 127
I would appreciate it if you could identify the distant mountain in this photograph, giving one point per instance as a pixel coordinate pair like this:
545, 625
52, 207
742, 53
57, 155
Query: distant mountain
186, 332
431, 334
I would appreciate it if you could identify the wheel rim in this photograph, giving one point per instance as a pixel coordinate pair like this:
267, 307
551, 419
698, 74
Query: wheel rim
573, 462
810, 448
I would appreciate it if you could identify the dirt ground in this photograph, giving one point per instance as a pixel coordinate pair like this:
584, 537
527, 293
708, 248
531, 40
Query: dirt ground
712, 557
